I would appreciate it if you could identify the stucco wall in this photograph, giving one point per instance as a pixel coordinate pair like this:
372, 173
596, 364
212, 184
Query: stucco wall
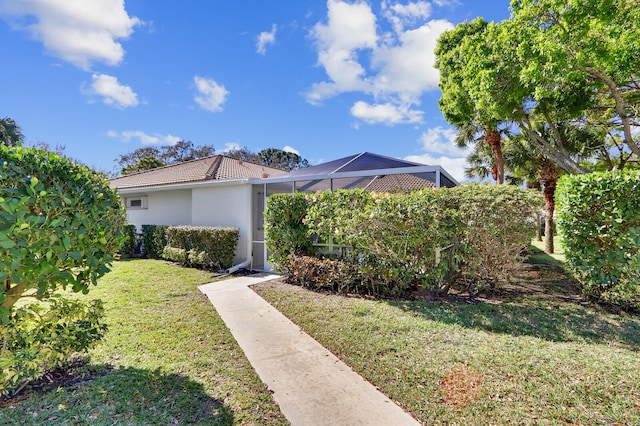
225, 206
164, 208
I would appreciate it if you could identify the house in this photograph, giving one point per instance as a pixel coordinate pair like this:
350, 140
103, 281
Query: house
222, 191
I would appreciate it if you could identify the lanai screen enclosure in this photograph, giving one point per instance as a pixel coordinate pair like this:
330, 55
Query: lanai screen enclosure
365, 170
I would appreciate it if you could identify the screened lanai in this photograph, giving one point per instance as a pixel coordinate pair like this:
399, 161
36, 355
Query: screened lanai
373, 172
365, 170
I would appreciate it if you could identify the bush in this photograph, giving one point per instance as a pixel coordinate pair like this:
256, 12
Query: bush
285, 228
468, 236
130, 243
599, 220
322, 273
60, 225
154, 238
38, 339
207, 247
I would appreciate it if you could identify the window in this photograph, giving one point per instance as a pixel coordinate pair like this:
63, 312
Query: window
134, 203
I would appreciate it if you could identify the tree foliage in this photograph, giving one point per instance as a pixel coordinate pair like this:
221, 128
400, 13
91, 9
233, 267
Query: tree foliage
60, 225
271, 157
10, 132
151, 157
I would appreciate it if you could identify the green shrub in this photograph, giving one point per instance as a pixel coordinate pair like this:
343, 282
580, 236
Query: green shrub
128, 247
154, 238
37, 339
469, 237
599, 219
322, 273
285, 230
493, 225
60, 225
175, 254
206, 247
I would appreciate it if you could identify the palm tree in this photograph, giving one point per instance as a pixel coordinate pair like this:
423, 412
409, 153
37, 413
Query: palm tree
10, 133
473, 133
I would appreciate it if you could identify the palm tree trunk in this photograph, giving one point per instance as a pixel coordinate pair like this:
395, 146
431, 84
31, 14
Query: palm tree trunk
549, 174
492, 136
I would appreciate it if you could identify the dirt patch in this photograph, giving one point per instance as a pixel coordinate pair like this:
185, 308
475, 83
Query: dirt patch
461, 386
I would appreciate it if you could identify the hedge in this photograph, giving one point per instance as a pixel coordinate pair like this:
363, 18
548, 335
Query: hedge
205, 247
599, 220
154, 239
128, 247
469, 236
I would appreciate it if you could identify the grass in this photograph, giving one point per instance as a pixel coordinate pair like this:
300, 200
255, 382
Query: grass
167, 359
539, 256
534, 354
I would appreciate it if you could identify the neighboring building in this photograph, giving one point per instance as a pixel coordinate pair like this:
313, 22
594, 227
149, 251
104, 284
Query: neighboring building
223, 191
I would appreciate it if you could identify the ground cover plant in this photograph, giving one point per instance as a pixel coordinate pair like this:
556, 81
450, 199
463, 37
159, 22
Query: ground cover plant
167, 359
535, 352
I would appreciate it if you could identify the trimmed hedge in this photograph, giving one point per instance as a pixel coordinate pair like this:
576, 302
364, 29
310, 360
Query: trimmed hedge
131, 241
599, 219
154, 239
205, 247
469, 236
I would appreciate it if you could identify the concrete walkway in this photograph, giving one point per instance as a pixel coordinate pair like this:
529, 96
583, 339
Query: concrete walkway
311, 385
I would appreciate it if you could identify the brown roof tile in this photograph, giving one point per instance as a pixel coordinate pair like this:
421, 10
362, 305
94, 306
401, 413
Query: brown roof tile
400, 182
209, 168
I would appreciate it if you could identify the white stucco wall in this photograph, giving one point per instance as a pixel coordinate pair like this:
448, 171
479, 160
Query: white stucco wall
163, 208
228, 205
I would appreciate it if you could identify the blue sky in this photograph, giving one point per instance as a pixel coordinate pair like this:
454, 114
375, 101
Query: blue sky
325, 79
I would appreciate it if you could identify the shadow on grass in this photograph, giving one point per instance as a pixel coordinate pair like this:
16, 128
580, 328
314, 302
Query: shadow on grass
540, 257
557, 322
123, 395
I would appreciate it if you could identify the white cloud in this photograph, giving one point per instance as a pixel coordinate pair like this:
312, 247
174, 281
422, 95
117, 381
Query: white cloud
113, 93
441, 150
211, 95
441, 141
453, 165
405, 14
291, 149
395, 68
387, 113
230, 146
266, 38
77, 31
142, 137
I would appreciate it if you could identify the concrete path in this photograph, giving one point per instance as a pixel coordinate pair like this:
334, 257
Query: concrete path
311, 385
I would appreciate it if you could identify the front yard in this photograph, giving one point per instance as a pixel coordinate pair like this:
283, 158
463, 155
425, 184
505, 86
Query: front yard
533, 354
167, 359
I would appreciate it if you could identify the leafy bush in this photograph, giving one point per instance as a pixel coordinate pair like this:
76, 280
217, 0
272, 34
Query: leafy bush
207, 247
128, 247
60, 225
599, 219
37, 339
285, 228
154, 238
322, 273
468, 236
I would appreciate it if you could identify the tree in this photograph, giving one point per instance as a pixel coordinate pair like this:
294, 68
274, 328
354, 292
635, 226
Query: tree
283, 160
574, 45
144, 163
60, 225
452, 52
10, 132
271, 157
560, 63
150, 157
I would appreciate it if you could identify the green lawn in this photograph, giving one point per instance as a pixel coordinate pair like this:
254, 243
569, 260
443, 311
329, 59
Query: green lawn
167, 359
534, 354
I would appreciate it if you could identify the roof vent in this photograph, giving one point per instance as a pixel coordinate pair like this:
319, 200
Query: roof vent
240, 162
265, 175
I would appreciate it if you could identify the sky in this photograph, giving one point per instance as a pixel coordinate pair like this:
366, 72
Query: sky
323, 79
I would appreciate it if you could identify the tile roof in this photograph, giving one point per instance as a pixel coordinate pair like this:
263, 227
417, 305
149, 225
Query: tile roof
209, 168
401, 182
